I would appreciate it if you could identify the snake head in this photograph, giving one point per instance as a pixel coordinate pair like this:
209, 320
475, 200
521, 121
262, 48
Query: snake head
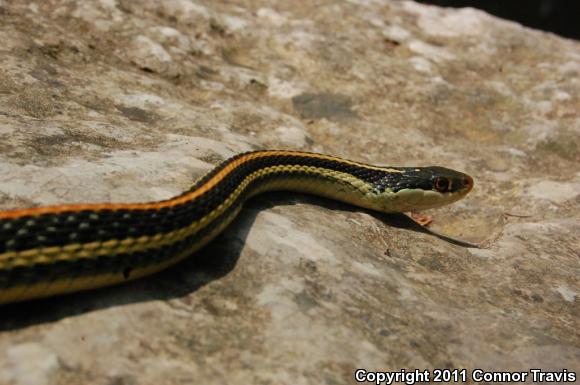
447, 181
421, 188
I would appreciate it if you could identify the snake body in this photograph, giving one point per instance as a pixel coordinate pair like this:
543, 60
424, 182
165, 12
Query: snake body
52, 250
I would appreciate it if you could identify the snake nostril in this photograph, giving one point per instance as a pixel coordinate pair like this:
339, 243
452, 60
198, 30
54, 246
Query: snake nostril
468, 183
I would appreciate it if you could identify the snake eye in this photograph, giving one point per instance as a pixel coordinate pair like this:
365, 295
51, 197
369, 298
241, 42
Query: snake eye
442, 184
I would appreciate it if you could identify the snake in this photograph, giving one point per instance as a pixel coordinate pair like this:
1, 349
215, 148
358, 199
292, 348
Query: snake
59, 249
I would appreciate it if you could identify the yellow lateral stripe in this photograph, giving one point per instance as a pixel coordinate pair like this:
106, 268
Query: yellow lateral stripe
68, 285
183, 198
77, 251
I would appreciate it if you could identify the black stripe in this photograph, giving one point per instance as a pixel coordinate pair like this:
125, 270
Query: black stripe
122, 264
102, 225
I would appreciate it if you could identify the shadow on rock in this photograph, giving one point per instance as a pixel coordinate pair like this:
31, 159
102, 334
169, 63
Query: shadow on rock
211, 263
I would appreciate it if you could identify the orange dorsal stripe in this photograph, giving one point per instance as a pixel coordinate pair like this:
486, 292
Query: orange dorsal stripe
12, 214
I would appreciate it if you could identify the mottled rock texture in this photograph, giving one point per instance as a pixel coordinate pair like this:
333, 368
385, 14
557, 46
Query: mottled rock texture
130, 100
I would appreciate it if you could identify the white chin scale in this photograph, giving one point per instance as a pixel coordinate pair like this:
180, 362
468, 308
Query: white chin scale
414, 199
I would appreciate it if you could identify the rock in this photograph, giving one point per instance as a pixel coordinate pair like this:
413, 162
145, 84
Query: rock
130, 101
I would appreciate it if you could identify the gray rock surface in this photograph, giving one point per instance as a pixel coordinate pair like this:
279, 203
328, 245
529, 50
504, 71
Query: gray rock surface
129, 101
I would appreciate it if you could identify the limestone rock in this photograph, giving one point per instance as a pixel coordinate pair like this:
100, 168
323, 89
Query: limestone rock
129, 101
